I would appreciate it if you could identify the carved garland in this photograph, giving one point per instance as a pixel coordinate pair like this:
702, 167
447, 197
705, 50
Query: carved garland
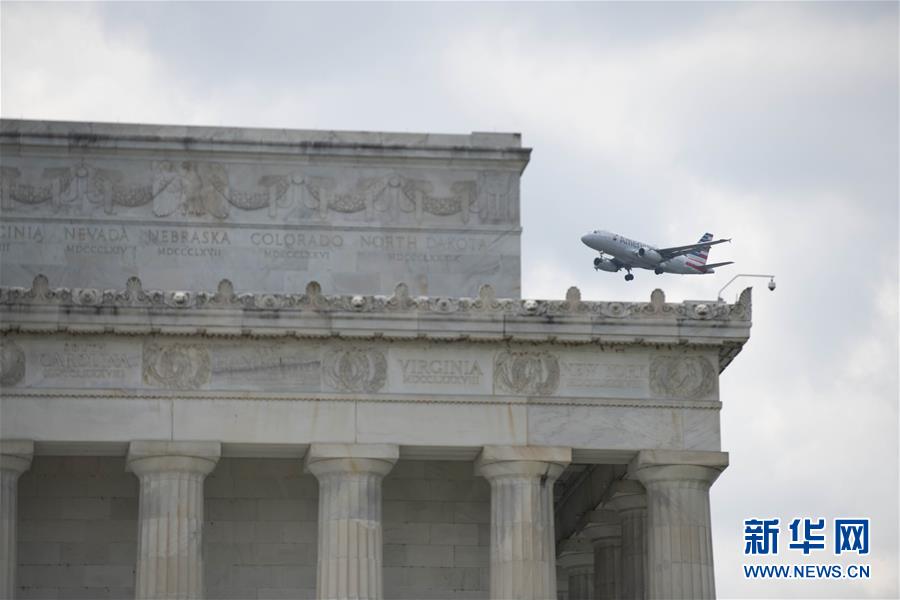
205, 188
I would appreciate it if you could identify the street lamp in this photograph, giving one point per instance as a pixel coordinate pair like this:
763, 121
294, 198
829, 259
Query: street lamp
770, 277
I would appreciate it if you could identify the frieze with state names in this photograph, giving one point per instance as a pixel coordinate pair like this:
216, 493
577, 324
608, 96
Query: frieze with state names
177, 363
170, 188
439, 212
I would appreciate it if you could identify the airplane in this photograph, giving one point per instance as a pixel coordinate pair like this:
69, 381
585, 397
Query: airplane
619, 252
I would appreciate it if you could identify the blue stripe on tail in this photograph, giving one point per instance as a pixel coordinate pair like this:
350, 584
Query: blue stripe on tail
700, 255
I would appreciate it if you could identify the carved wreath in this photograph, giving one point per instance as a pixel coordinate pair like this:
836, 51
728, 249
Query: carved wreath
12, 363
176, 366
356, 369
526, 373
682, 376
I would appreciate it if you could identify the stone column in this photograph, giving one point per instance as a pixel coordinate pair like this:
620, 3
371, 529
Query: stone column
562, 583
170, 520
15, 459
523, 547
350, 538
603, 528
576, 557
679, 553
629, 499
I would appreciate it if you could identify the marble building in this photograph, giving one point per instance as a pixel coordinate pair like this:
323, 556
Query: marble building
243, 363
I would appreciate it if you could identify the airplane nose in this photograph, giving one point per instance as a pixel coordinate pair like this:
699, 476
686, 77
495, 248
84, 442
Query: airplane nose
585, 238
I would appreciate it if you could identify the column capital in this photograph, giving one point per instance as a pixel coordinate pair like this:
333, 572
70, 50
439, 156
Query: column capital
601, 527
160, 456
625, 495
351, 458
15, 455
522, 461
651, 466
575, 553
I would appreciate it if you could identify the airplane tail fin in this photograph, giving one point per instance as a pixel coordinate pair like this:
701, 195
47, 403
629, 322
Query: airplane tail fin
698, 257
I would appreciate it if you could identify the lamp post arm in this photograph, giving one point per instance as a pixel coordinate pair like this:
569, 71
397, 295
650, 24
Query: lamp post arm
771, 279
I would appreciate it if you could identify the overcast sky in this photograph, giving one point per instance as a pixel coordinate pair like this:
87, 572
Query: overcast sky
774, 124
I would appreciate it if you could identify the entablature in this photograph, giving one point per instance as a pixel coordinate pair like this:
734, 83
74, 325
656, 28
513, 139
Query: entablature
86, 364
225, 313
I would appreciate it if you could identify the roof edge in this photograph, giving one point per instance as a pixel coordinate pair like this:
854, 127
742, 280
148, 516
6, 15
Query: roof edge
86, 133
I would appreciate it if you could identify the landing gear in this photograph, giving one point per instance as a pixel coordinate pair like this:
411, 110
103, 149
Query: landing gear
629, 277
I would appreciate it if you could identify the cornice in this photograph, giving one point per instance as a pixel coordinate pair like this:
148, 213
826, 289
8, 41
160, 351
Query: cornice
399, 303
493, 147
223, 313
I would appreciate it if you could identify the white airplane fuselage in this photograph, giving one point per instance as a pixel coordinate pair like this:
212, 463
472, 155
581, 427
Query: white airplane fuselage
620, 252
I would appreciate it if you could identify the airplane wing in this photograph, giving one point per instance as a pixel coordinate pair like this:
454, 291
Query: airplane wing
674, 251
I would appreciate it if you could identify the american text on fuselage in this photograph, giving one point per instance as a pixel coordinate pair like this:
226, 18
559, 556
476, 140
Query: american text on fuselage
618, 252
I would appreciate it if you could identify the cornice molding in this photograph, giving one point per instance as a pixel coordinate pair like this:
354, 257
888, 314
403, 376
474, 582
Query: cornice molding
401, 303
494, 148
134, 311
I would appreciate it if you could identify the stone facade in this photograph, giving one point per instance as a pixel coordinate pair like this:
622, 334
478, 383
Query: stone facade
78, 531
221, 426
179, 206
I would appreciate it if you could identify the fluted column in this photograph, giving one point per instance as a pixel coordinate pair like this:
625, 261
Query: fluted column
562, 583
603, 528
679, 553
629, 499
170, 520
523, 547
350, 531
15, 459
576, 557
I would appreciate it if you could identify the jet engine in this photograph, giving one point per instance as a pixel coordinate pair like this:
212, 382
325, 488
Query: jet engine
604, 264
649, 255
